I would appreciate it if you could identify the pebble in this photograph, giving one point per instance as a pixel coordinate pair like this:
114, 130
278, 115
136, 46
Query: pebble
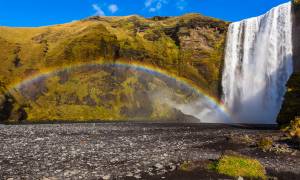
106, 177
172, 168
113, 150
137, 176
159, 166
129, 174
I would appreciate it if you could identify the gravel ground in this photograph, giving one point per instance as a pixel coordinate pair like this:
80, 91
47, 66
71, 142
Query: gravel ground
123, 150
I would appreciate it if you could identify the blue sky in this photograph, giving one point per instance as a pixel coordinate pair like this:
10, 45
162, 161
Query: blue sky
48, 12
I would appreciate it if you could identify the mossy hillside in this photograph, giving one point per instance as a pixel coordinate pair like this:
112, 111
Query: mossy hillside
103, 93
189, 46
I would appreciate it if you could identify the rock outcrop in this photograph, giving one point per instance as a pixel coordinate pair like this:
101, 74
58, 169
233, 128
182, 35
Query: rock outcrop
291, 105
296, 36
10, 110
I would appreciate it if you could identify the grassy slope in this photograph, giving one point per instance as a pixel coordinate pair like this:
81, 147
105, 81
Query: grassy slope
190, 46
130, 38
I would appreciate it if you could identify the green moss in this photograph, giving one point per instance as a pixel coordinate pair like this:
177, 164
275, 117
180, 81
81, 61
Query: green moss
239, 166
101, 93
171, 44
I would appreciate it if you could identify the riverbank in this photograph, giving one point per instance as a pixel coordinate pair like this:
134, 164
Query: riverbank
136, 150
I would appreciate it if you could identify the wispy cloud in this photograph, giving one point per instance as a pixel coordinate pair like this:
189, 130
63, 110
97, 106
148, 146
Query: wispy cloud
181, 4
113, 8
98, 9
148, 3
155, 5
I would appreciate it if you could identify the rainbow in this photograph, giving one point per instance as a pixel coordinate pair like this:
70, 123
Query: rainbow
147, 68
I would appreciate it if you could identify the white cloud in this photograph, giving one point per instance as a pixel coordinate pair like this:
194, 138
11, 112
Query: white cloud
113, 8
98, 9
152, 10
181, 4
155, 5
148, 3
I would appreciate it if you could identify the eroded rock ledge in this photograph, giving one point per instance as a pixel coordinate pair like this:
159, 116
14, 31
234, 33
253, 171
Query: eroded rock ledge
291, 105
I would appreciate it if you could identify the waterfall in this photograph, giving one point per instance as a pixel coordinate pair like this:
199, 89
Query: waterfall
258, 63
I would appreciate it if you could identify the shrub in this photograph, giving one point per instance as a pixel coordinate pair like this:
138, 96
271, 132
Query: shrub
265, 143
234, 165
294, 128
293, 131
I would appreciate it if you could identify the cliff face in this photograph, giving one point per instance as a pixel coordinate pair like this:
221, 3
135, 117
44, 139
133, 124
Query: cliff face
191, 46
291, 105
296, 36
10, 109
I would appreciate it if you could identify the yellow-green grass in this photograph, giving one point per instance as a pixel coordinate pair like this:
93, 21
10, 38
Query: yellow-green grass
265, 143
101, 96
235, 166
90, 40
190, 47
293, 128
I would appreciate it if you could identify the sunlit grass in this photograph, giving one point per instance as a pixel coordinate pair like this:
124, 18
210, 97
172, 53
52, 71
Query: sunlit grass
236, 166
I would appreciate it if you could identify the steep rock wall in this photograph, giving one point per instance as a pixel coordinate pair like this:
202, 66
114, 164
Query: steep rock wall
291, 105
10, 109
296, 35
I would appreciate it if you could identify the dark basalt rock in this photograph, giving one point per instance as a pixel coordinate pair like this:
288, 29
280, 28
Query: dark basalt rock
296, 35
6, 107
10, 110
291, 105
296, 3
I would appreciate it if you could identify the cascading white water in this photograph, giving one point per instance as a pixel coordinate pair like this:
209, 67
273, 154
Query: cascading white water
258, 63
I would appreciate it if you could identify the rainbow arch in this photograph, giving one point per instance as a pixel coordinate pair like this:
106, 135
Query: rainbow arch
147, 68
